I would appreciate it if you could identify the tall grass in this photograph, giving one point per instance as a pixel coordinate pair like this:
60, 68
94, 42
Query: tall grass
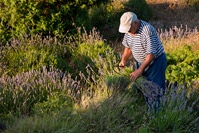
125, 112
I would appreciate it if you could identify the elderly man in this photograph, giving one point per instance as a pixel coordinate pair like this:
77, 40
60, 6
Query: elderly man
141, 41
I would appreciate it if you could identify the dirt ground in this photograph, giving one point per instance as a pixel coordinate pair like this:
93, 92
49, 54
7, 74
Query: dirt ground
170, 13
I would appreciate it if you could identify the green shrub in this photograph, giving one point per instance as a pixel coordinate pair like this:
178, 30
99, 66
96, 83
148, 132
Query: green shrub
25, 54
57, 17
92, 50
194, 3
110, 12
105, 13
51, 17
182, 65
57, 104
140, 8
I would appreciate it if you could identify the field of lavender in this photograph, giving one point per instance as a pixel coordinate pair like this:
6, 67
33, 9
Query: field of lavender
55, 84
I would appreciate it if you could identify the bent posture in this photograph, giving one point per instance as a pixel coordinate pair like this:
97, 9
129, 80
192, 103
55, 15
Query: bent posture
141, 41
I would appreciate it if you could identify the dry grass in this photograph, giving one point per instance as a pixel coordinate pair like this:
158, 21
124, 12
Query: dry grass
168, 13
171, 44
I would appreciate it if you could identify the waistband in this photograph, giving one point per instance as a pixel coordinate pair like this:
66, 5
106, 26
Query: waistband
138, 63
159, 55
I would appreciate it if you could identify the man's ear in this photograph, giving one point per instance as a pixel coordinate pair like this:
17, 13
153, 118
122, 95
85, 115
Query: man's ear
136, 22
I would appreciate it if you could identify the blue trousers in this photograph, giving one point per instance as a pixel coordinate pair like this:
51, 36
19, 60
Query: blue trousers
156, 74
156, 71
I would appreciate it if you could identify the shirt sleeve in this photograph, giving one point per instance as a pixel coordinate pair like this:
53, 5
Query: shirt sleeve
125, 42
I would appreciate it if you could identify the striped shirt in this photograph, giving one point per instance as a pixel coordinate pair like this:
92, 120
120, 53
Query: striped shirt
146, 41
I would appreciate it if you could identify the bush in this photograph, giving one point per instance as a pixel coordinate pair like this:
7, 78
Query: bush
89, 53
107, 13
27, 56
57, 104
21, 92
194, 3
182, 66
90, 49
57, 17
140, 8
24, 54
111, 12
50, 17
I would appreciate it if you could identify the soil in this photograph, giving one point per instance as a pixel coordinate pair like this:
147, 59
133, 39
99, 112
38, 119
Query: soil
170, 13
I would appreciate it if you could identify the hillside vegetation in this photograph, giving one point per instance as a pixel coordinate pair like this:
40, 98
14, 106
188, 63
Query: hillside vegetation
59, 68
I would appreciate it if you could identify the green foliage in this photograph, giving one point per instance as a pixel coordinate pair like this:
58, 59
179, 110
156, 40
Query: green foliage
137, 7
183, 65
110, 12
105, 13
50, 17
22, 61
54, 105
172, 121
25, 55
193, 3
118, 113
119, 82
176, 115
47, 123
92, 50
57, 17
95, 54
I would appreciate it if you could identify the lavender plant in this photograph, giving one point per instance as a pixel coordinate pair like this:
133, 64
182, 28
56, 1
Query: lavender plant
30, 54
150, 91
112, 115
26, 53
176, 114
92, 50
19, 93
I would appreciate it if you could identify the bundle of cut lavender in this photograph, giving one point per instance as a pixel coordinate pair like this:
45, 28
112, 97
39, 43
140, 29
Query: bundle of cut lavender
121, 81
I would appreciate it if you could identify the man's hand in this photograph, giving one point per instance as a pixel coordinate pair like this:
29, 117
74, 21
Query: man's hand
134, 75
126, 55
122, 64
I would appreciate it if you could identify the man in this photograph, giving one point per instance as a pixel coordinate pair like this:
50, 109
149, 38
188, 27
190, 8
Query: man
141, 41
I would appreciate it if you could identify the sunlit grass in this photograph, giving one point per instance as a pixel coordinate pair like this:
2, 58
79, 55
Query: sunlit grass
177, 37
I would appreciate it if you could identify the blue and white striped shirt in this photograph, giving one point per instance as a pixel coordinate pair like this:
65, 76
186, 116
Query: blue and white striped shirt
146, 41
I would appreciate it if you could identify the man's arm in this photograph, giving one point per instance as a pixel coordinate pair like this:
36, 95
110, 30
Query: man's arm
127, 53
141, 69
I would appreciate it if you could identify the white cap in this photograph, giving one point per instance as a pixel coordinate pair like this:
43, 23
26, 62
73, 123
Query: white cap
126, 20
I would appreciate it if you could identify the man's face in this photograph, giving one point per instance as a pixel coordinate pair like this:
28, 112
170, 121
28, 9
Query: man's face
133, 28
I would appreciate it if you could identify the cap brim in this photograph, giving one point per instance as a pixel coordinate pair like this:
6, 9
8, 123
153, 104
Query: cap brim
124, 29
